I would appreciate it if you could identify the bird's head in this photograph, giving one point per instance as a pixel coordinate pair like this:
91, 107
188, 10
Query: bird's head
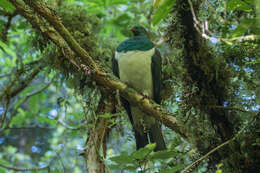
139, 30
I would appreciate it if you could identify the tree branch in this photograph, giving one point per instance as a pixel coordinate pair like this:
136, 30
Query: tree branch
50, 16
25, 83
10, 93
22, 102
231, 108
106, 80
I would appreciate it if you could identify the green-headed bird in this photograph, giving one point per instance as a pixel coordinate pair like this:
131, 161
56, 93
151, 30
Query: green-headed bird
138, 63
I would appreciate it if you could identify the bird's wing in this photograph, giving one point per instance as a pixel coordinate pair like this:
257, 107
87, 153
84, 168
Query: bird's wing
156, 74
115, 66
124, 102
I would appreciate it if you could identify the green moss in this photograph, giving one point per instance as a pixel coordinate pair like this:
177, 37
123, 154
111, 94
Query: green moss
85, 28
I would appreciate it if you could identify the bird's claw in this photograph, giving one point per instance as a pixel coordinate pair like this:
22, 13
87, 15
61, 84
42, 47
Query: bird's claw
86, 69
145, 95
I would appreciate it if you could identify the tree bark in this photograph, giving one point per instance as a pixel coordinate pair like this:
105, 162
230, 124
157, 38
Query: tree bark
212, 85
96, 141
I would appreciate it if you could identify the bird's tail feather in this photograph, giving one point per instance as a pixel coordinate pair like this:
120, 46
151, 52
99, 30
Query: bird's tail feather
155, 135
141, 139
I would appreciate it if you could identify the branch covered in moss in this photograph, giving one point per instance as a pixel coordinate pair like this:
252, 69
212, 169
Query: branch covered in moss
63, 39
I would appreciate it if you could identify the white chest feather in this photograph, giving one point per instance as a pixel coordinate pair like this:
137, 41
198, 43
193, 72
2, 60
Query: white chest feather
135, 70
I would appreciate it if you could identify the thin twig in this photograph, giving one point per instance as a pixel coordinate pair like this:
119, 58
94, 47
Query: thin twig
70, 127
7, 89
231, 108
204, 31
25, 83
193, 13
24, 100
12, 92
244, 38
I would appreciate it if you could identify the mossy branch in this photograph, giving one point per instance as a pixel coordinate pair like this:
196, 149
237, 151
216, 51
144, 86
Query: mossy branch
58, 33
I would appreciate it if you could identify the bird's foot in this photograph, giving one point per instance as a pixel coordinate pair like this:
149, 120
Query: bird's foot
145, 95
86, 69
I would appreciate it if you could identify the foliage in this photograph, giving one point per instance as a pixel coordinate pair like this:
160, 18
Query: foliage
47, 106
163, 11
146, 160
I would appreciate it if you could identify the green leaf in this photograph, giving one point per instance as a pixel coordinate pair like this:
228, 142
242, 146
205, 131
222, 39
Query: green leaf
239, 31
46, 120
7, 49
163, 155
95, 2
2, 170
233, 5
19, 118
251, 2
123, 20
10, 149
117, 2
258, 99
106, 115
74, 133
151, 146
122, 159
156, 3
131, 167
4, 162
7, 6
173, 169
257, 5
254, 62
7, 132
143, 152
35, 100
162, 11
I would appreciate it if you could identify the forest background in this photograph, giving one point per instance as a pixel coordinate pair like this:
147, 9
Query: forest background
59, 106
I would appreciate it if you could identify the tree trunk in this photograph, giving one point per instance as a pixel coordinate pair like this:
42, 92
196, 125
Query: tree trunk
210, 76
95, 143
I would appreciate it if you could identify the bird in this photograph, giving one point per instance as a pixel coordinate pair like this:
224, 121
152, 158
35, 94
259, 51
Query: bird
138, 63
